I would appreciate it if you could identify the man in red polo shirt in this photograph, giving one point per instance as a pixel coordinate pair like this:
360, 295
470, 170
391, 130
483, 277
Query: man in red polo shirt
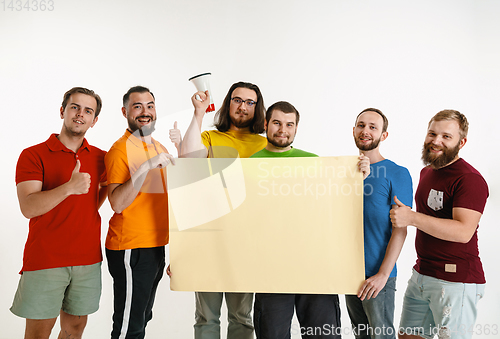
60, 186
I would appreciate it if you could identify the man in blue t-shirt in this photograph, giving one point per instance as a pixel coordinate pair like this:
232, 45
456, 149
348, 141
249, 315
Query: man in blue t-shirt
372, 310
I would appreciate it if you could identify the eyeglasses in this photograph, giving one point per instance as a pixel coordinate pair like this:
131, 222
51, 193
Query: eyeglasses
239, 101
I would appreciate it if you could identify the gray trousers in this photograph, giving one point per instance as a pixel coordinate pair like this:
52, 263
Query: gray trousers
207, 315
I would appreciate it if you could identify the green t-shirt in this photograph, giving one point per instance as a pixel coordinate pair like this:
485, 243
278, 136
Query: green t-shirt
292, 153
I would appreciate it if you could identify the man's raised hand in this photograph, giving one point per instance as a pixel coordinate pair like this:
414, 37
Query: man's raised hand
364, 165
401, 215
201, 101
176, 137
79, 182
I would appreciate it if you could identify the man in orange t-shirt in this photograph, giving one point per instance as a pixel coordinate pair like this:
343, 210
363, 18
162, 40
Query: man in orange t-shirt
138, 231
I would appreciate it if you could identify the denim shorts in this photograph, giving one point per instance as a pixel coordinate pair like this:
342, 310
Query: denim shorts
437, 307
43, 294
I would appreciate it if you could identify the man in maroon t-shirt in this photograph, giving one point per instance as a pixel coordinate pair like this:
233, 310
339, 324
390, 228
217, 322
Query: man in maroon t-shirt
448, 279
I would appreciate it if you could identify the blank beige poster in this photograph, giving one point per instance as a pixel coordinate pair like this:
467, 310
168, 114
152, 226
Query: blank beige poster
281, 225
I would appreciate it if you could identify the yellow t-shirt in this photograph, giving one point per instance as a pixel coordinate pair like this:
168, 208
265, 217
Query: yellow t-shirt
144, 223
230, 144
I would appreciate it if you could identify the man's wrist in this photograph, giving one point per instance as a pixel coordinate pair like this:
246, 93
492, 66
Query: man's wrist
66, 189
384, 274
141, 172
199, 112
413, 218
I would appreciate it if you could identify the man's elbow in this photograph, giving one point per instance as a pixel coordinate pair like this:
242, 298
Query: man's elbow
28, 213
116, 209
465, 238
115, 206
196, 154
467, 232
199, 151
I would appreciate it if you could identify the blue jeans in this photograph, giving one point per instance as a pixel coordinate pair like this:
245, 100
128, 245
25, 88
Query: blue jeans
318, 315
374, 317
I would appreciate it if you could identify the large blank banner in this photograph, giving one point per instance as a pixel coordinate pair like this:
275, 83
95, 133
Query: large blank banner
280, 225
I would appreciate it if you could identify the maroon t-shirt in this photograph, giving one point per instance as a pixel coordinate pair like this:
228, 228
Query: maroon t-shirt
438, 192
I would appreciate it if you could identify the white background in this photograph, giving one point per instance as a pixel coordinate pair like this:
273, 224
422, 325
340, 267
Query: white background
331, 59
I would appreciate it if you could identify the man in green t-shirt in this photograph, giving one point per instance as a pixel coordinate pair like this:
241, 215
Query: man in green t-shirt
273, 312
281, 124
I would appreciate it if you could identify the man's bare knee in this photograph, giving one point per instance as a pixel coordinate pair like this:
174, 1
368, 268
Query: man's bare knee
72, 326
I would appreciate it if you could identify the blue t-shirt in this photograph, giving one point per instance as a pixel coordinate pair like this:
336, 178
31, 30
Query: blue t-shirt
386, 180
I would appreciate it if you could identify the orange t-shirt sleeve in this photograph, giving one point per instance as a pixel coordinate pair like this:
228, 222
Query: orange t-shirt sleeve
117, 168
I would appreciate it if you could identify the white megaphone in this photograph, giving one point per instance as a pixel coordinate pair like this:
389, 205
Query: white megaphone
202, 84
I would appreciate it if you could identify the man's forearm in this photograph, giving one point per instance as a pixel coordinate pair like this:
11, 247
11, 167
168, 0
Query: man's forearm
121, 196
393, 250
41, 202
192, 146
459, 229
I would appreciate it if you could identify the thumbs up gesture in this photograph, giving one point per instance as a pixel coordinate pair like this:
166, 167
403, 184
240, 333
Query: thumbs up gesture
79, 182
176, 137
401, 215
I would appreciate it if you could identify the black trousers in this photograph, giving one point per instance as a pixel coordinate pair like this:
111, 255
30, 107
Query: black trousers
136, 274
318, 315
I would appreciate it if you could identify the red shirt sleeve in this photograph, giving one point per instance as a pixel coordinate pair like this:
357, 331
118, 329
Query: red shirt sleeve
29, 167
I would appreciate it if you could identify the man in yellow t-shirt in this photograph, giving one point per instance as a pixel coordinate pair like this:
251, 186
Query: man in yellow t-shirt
138, 231
239, 123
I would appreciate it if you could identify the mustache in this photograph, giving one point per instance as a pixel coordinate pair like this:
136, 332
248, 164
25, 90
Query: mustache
144, 116
429, 146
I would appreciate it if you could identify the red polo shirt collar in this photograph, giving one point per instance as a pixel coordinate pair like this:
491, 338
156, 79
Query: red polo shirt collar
55, 145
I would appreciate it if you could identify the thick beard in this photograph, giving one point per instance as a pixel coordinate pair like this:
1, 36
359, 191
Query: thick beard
144, 130
369, 147
241, 123
286, 143
439, 161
